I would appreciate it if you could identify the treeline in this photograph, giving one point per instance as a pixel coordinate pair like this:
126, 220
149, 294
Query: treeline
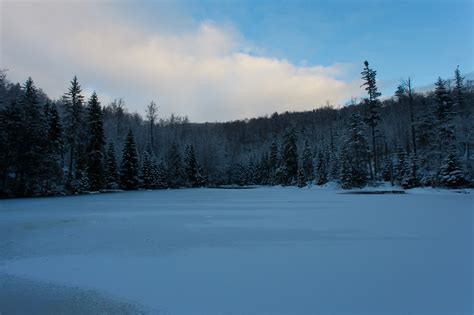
73, 145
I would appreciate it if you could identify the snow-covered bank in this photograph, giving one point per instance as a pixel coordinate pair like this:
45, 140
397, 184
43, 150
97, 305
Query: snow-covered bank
250, 251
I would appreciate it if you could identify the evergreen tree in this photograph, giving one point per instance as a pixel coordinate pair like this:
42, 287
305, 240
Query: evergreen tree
354, 155
451, 174
73, 103
191, 167
149, 169
251, 173
346, 174
444, 116
31, 152
161, 176
202, 179
129, 168
335, 166
402, 166
372, 102
52, 168
321, 170
263, 170
11, 126
95, 169
308, 162
112, 176
175, 167
290, 155
410, 176
301, 178
273, 162
464, 110
388, 170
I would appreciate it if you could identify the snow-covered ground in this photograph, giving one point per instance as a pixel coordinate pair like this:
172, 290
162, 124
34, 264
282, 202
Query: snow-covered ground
238, 251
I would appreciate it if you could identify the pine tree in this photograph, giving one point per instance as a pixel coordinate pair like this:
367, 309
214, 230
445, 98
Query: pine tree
321, 170
191, 167
175, 167
372, 102
161, 176
290, 156
273, 162
461, 106
308, 162
95, 169
11, 128
410, 176
388, 170
301, 178
451, 174
335, 166
251, 173
402, 166
52, 170
129, 168
149, 171
112, 176
73, 103
354, 155
346, 174
444, 116
263, 170
31, 155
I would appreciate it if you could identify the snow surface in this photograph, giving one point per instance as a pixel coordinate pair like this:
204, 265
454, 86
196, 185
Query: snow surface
239, 251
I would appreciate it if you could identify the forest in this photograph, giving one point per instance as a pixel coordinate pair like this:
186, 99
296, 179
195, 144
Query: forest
75, 145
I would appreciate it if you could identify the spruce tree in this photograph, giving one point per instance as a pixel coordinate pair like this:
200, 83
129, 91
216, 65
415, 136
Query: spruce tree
462, 107
95, 169
273, 163
354, 155
334, 170
301, 178
451, 174
52, 170
191, 167
129, 169
346, 174
321, 170
32, 153
444, 115
161, 176
410, 174
387, 173
149, 171
372, 102
11, 128
402, 166
290, 156
175, 167
308, 162
112, 176
73, 103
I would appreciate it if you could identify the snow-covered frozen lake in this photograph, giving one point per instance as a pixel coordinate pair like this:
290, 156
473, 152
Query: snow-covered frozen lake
238, 251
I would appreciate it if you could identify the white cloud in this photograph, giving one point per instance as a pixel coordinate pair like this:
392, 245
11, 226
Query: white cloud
206, 73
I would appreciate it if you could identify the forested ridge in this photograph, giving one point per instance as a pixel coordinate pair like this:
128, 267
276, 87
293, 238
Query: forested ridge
77, 145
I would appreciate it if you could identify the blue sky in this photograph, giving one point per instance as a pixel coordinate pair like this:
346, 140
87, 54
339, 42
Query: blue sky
220, 60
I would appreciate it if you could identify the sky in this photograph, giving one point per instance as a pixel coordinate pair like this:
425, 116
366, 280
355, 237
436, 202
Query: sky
226, 60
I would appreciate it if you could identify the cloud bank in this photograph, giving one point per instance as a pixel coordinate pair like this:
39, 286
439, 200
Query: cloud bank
208, 72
